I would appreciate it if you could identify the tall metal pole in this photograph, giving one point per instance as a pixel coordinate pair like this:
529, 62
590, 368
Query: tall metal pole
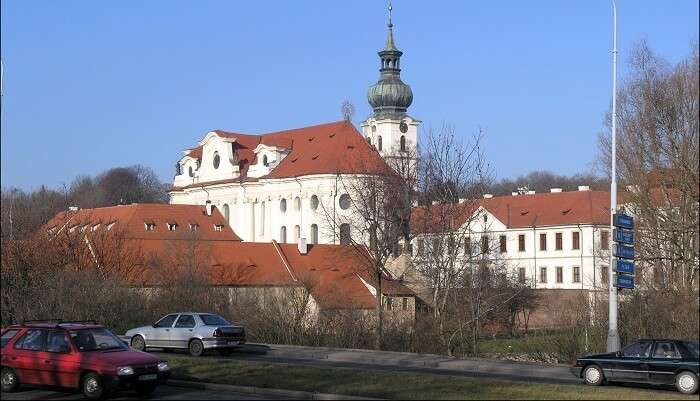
613, 335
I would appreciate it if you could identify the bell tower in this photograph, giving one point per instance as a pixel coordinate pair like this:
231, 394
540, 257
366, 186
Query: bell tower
390, 129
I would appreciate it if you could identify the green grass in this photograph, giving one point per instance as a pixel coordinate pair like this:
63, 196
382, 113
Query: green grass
396, 385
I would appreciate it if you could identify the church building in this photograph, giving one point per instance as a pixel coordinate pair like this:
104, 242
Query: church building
285, 186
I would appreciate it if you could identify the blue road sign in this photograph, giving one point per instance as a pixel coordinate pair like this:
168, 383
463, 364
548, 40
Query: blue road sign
624, 236
623, 221
624, 266
624, 251
624, 281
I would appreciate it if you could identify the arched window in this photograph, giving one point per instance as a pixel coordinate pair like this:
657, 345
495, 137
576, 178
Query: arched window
345, 237
226, 213
314, 202
297, 203
403, 143
191, 172
379, 142
283, 205
369, 140
262, 218
297, 233
283, 234
265, 162
178, 168
344, 201
314, 234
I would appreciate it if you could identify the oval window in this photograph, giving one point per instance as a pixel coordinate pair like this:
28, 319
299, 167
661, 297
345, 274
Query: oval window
344, 201
314, 202
216, 160
283, 205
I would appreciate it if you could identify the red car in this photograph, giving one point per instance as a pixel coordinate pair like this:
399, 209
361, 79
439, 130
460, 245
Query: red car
79, 355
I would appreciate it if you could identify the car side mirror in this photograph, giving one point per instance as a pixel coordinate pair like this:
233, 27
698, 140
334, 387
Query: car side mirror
618, 354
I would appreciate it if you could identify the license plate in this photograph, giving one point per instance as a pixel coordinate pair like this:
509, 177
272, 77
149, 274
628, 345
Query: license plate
232, 342
148, 377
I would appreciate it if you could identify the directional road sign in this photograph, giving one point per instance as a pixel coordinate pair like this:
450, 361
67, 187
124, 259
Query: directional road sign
624, 267
624, 281
624, 251
623, 221
624, 236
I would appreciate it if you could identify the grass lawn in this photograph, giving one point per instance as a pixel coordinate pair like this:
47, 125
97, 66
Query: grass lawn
398, 385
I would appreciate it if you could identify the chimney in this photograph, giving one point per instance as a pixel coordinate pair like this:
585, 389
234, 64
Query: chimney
514, 193
73, 208
488, 196
208, 206
462, 200
555, 190
303, 247
436, 202
531, 192
584, 188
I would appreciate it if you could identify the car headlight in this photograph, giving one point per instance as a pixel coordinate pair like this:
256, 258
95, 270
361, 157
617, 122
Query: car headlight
163, 367
125, 371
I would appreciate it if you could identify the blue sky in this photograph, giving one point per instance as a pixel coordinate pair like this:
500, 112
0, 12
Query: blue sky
93, 84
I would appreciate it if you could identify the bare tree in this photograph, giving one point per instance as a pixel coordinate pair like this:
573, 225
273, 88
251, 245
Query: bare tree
658, 156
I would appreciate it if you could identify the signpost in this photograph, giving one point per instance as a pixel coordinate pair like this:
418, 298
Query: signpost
624, 251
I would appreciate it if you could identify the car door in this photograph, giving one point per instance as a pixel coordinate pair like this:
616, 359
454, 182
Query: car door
632, 362
63, 361
160, 334
664, 361
183, 331
27, 356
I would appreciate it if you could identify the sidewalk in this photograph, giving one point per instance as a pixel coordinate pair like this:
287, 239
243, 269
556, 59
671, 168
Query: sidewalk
439, 363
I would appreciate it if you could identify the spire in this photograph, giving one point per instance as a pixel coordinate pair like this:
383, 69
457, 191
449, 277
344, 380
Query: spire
390, 38
390, 97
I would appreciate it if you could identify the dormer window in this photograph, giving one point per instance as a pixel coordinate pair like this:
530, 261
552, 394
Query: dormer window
51, 230
150, 225
194, 226
172, 225
95, 227
83, 228
72, 229
216, 160
110, 225
265, 162
218, 227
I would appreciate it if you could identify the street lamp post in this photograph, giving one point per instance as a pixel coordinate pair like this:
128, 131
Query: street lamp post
613, 335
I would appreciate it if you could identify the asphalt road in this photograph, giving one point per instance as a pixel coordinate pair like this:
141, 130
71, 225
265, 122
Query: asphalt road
161, 393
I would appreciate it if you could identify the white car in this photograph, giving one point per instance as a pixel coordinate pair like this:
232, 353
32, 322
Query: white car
192, 331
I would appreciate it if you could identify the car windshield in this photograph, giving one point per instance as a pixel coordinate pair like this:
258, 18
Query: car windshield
98, 339
693, 348
214, 320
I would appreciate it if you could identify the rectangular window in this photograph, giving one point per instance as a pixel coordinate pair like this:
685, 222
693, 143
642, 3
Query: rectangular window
388, 304
405, 304
194, 226
543, 275
485, 244
576, 274
504, 246
172, 226
543, 242
560, 274
559, 242
437, 246
521, 243
521, 275
605, 240
468, 246
218, 227
150, 226
421, 246
604, 274
575, 240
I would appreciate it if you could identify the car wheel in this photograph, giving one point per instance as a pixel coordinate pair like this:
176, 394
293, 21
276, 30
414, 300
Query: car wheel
196, 347
593, 375
146, 389
10, 381
225, 352
93, 388
138, 343
687, 382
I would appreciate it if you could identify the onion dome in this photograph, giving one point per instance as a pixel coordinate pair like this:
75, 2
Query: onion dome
390, 97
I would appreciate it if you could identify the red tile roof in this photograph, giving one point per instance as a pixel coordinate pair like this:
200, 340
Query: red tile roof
320, 149
130, 221
543, 209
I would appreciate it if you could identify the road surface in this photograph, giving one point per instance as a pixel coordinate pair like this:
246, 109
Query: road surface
162, 393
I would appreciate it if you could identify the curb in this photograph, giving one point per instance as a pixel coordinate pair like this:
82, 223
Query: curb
294, 394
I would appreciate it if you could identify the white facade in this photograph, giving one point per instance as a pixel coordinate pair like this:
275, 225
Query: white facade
544, 257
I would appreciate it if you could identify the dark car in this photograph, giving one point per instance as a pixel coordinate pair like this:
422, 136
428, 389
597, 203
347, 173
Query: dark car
663, 362
76, 355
